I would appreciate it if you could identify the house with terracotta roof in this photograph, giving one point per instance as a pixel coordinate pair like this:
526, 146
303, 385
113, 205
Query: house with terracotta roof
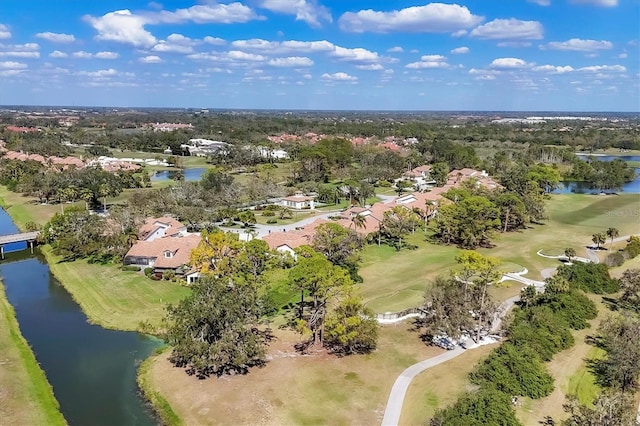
298, 202
288, 241
164, 254
154, 228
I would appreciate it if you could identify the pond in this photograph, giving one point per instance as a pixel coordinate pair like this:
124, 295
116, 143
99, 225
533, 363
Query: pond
92, 370
189, 174
575, 187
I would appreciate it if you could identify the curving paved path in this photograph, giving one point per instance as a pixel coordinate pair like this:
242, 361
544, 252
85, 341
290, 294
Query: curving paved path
399, 389
401, 385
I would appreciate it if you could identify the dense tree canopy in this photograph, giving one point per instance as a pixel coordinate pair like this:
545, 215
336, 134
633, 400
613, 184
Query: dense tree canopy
214, 331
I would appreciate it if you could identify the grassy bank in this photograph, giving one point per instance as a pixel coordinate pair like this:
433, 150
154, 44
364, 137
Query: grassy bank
167, 416
113, 298
26, 397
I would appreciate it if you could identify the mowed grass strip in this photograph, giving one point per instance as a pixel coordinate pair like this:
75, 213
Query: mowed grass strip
113, 298
440, 386
26, 397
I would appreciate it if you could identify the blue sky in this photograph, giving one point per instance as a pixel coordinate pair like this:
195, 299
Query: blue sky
565, 55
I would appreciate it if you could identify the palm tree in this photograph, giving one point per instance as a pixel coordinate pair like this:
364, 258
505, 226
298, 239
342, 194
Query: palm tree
612, 233
599, 238
429, 208
358, 221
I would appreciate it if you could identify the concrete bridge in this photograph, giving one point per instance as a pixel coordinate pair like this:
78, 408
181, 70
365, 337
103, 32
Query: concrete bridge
29, 237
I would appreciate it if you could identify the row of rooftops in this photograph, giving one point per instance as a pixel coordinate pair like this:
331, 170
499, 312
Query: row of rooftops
374, 214
107, 164
166, 239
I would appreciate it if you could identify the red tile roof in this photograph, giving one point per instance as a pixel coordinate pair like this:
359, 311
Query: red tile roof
179, 247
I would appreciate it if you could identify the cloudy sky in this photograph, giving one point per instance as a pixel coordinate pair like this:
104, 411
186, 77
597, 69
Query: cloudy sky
564, 55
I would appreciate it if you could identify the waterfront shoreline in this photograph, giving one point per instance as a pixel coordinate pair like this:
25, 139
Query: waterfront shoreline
37, 403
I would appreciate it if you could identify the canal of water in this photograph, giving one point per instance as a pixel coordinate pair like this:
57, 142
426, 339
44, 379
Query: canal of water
92, 370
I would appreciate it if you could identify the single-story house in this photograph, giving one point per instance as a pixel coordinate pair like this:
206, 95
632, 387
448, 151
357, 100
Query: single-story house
163, 254
298, 202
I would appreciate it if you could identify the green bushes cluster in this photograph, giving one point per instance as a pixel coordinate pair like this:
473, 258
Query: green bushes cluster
539, 330
130, 268
589, 277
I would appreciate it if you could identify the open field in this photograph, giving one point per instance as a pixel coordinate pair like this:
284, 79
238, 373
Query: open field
295, 389
440, 386
26, 398
113, 298
396, 280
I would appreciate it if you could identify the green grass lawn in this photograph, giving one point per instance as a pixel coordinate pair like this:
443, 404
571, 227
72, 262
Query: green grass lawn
582, 383
395, 281
113, 298
26, 398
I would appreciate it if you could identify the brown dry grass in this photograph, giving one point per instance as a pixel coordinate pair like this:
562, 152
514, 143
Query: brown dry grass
295, 389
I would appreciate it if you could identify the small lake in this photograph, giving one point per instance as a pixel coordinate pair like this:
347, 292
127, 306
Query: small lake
586, 157
574, 187
189, 174
92, 370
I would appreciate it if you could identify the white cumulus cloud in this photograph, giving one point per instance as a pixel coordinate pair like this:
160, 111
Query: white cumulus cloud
82, 55
430, 18
460, 50
56, 37
603, 68
26, 50
216, 41
395, 49
292, 61
357, 54
11, 65
508, 63
58, 54
213, 13
4, 32
540, 2
339, 76
579, 45
123, 27
429, 61
308, 11
151, 59
106, 55
509, 29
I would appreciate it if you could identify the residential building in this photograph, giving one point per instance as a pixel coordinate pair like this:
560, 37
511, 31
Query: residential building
164, 254
161, 227
298, 202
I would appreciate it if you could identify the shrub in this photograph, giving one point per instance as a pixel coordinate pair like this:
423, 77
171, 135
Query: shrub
269, 213
384, 184
272, 221
131, 268
486, 407
538, 328
633, 247
614, 259
514, 371
589, 277
168, 275
148, 272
